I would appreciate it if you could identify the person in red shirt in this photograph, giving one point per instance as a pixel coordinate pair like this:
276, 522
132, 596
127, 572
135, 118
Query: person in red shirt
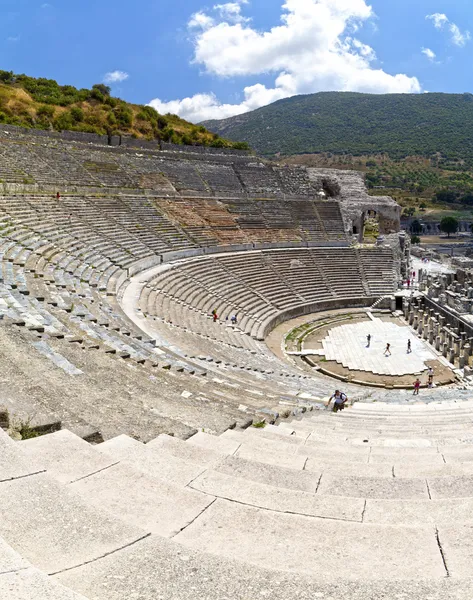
416, 387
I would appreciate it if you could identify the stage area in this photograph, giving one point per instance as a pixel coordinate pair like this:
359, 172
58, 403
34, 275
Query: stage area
348, 346
337, 345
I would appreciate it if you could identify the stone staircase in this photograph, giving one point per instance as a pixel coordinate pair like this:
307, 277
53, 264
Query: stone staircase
384, 491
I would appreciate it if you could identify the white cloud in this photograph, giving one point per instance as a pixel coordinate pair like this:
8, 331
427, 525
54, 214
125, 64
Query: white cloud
441, 21
312, 50
430, 54
438, 19
231, 12
200, 20
13, 39
115, 77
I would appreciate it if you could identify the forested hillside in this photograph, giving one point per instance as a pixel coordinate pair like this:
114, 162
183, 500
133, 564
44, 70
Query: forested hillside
398, 125
44, 104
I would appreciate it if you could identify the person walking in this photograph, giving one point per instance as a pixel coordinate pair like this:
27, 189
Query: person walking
368, 340
416, 387
339, 400
387, 350
409, 348
430, 377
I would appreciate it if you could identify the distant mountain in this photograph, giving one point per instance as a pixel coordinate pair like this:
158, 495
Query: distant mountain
399, 125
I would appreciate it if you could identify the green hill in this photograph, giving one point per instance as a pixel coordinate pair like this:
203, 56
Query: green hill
398, 125
44, 104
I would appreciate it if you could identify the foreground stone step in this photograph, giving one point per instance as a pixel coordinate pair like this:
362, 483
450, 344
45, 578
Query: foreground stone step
32, 584
151, 460
66, 456
14, 462
141, 500
282, 500
299, 544
53, 528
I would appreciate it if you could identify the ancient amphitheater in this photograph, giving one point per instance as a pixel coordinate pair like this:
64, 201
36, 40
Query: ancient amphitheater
150, 482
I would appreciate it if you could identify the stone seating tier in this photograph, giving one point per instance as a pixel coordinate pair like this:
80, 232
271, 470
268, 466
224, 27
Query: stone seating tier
63, 162
389, 486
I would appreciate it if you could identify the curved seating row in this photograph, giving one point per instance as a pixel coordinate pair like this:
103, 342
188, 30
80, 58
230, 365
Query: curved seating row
386, 488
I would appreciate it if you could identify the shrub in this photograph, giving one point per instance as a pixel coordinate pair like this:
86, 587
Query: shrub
45, 110
102, 89
77, 114
124, 115
97, 95
415, 239
64, 122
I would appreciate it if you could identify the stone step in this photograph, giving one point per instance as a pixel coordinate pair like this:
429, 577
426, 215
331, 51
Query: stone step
152, 460
157, 563
66, 456
141, 500
53, 529
32, 584
300, 544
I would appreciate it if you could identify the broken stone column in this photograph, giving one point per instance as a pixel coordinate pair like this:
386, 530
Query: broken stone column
467, 354
451, 356
420, 324
456, 346
406, 309
437, 343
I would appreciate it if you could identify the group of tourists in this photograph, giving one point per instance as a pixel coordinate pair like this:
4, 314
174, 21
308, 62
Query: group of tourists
387, 350
340, 399
430, 381
233, 318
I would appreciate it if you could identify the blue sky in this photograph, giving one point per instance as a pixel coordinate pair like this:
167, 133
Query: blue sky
216, 59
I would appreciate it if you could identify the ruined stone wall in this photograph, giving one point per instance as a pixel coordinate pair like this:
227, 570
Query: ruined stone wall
349, 188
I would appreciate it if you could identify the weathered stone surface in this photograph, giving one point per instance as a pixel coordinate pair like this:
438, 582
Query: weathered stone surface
158, 568
9, 559
142, 501
156, 462
66, 456
52, 528
372, 487
279, 500
269, 474
14, 462
306, 545
31, 584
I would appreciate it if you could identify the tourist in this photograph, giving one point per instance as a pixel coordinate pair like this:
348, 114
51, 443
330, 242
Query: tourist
431, 377
215, 316
234, 320
409, 348
387, 350
58, 196
408, 283
339, 400
368, 339
416, 387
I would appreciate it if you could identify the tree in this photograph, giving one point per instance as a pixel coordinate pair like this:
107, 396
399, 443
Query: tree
416, 227
415, 239
105, 90
449, 225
